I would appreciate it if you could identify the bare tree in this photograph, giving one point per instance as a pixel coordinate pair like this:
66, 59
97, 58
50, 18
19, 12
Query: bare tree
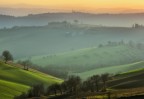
26, 64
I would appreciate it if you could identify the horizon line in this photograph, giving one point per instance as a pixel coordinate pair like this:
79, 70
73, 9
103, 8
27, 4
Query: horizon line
74, 11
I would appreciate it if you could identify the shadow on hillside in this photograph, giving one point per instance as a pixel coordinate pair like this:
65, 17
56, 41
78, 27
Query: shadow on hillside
133, 97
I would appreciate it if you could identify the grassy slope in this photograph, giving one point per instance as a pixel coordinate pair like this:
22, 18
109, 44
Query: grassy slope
14, 80
112, 69
93, 56
129, 79
10, 89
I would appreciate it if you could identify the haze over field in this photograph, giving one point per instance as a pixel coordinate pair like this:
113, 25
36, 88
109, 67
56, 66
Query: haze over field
71, 49
35, 41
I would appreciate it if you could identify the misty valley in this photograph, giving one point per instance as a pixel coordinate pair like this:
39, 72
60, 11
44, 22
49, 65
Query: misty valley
72, 56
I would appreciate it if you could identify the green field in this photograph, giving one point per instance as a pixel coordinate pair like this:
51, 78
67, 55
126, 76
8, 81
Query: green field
105, 59
10, 89
130, 79
14, 80
92, 56
112, 69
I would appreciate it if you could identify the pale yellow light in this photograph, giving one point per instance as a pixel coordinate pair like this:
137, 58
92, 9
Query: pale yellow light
79, 4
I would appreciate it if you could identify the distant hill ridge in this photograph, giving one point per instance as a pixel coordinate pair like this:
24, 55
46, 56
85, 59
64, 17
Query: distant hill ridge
87, 18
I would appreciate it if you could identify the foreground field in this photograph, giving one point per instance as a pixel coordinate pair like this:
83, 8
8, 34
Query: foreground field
10, 89
14, 80
128, 85
128, 80
115, 94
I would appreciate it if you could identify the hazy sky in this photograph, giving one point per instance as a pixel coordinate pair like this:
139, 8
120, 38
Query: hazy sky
80, 5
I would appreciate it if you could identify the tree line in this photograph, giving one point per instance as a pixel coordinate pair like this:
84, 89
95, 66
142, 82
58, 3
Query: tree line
71, 86
129, 43
74, 84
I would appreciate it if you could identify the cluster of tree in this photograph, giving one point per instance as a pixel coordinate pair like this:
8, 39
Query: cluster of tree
72, 86
59, 24
129, 43
136, 45
136, 25
63, 24
26, 63
112, 43
6, 56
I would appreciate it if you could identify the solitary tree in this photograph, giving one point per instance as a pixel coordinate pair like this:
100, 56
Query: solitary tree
7, 56
26, 64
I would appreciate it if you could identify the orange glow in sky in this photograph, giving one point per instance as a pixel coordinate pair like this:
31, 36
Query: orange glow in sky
76, 4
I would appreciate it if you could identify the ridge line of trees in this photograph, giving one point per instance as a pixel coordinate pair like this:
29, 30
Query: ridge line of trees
73, 86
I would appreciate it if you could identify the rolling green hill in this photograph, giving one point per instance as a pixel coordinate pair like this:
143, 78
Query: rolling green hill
111, 69
92, 58
45, 40
14, 80
10, 89
131, 79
